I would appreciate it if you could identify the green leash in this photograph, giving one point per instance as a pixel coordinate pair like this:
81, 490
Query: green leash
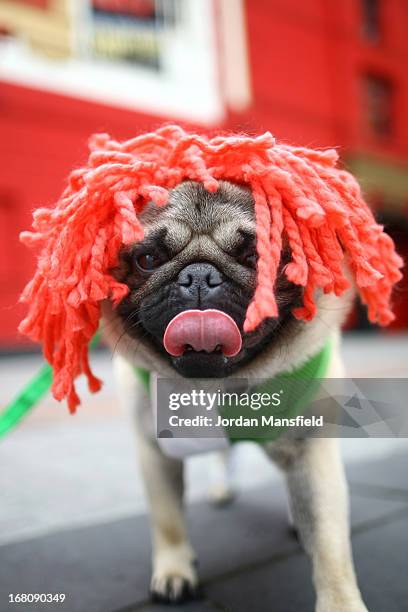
30, 395
36, 388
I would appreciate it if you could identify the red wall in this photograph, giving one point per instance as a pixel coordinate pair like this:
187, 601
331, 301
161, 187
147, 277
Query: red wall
307, 61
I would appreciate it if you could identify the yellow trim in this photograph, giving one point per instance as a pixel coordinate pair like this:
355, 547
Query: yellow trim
48, 31
377, 176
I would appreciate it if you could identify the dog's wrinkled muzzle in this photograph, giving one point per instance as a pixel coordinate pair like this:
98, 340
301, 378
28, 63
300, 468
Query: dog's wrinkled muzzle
202, 330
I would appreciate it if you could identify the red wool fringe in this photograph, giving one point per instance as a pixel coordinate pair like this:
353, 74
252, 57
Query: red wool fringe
299, 194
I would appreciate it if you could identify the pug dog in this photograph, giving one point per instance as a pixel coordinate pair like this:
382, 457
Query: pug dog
199, 253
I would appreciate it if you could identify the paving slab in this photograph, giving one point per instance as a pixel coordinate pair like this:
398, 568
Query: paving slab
284, 586
387, 476
104, 568
196, 606
99, 568
254, 529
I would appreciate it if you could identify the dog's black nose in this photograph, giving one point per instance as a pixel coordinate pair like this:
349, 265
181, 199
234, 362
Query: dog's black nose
198, 279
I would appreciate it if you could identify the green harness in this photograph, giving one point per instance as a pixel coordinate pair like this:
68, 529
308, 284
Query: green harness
300, 386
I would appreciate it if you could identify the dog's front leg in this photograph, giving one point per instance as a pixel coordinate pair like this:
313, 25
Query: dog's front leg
174, 576
319, 503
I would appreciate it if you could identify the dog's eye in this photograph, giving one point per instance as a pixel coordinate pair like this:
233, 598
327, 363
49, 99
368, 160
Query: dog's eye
250, 260
147, 262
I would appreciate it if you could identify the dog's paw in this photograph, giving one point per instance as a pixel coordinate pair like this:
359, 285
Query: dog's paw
221, 494
173, 590
174, 577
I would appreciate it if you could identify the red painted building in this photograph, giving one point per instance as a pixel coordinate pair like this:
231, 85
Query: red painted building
319, 73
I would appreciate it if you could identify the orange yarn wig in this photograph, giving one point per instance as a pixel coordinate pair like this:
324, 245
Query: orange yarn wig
299, 193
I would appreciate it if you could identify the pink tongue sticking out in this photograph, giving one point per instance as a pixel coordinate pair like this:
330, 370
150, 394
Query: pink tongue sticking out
203, 330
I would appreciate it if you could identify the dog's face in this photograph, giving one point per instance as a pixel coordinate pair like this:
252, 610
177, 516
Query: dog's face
199, 253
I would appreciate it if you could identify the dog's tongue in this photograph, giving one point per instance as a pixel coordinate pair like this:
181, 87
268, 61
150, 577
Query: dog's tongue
203, 330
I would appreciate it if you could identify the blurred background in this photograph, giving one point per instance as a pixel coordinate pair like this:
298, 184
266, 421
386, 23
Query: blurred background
316, 73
